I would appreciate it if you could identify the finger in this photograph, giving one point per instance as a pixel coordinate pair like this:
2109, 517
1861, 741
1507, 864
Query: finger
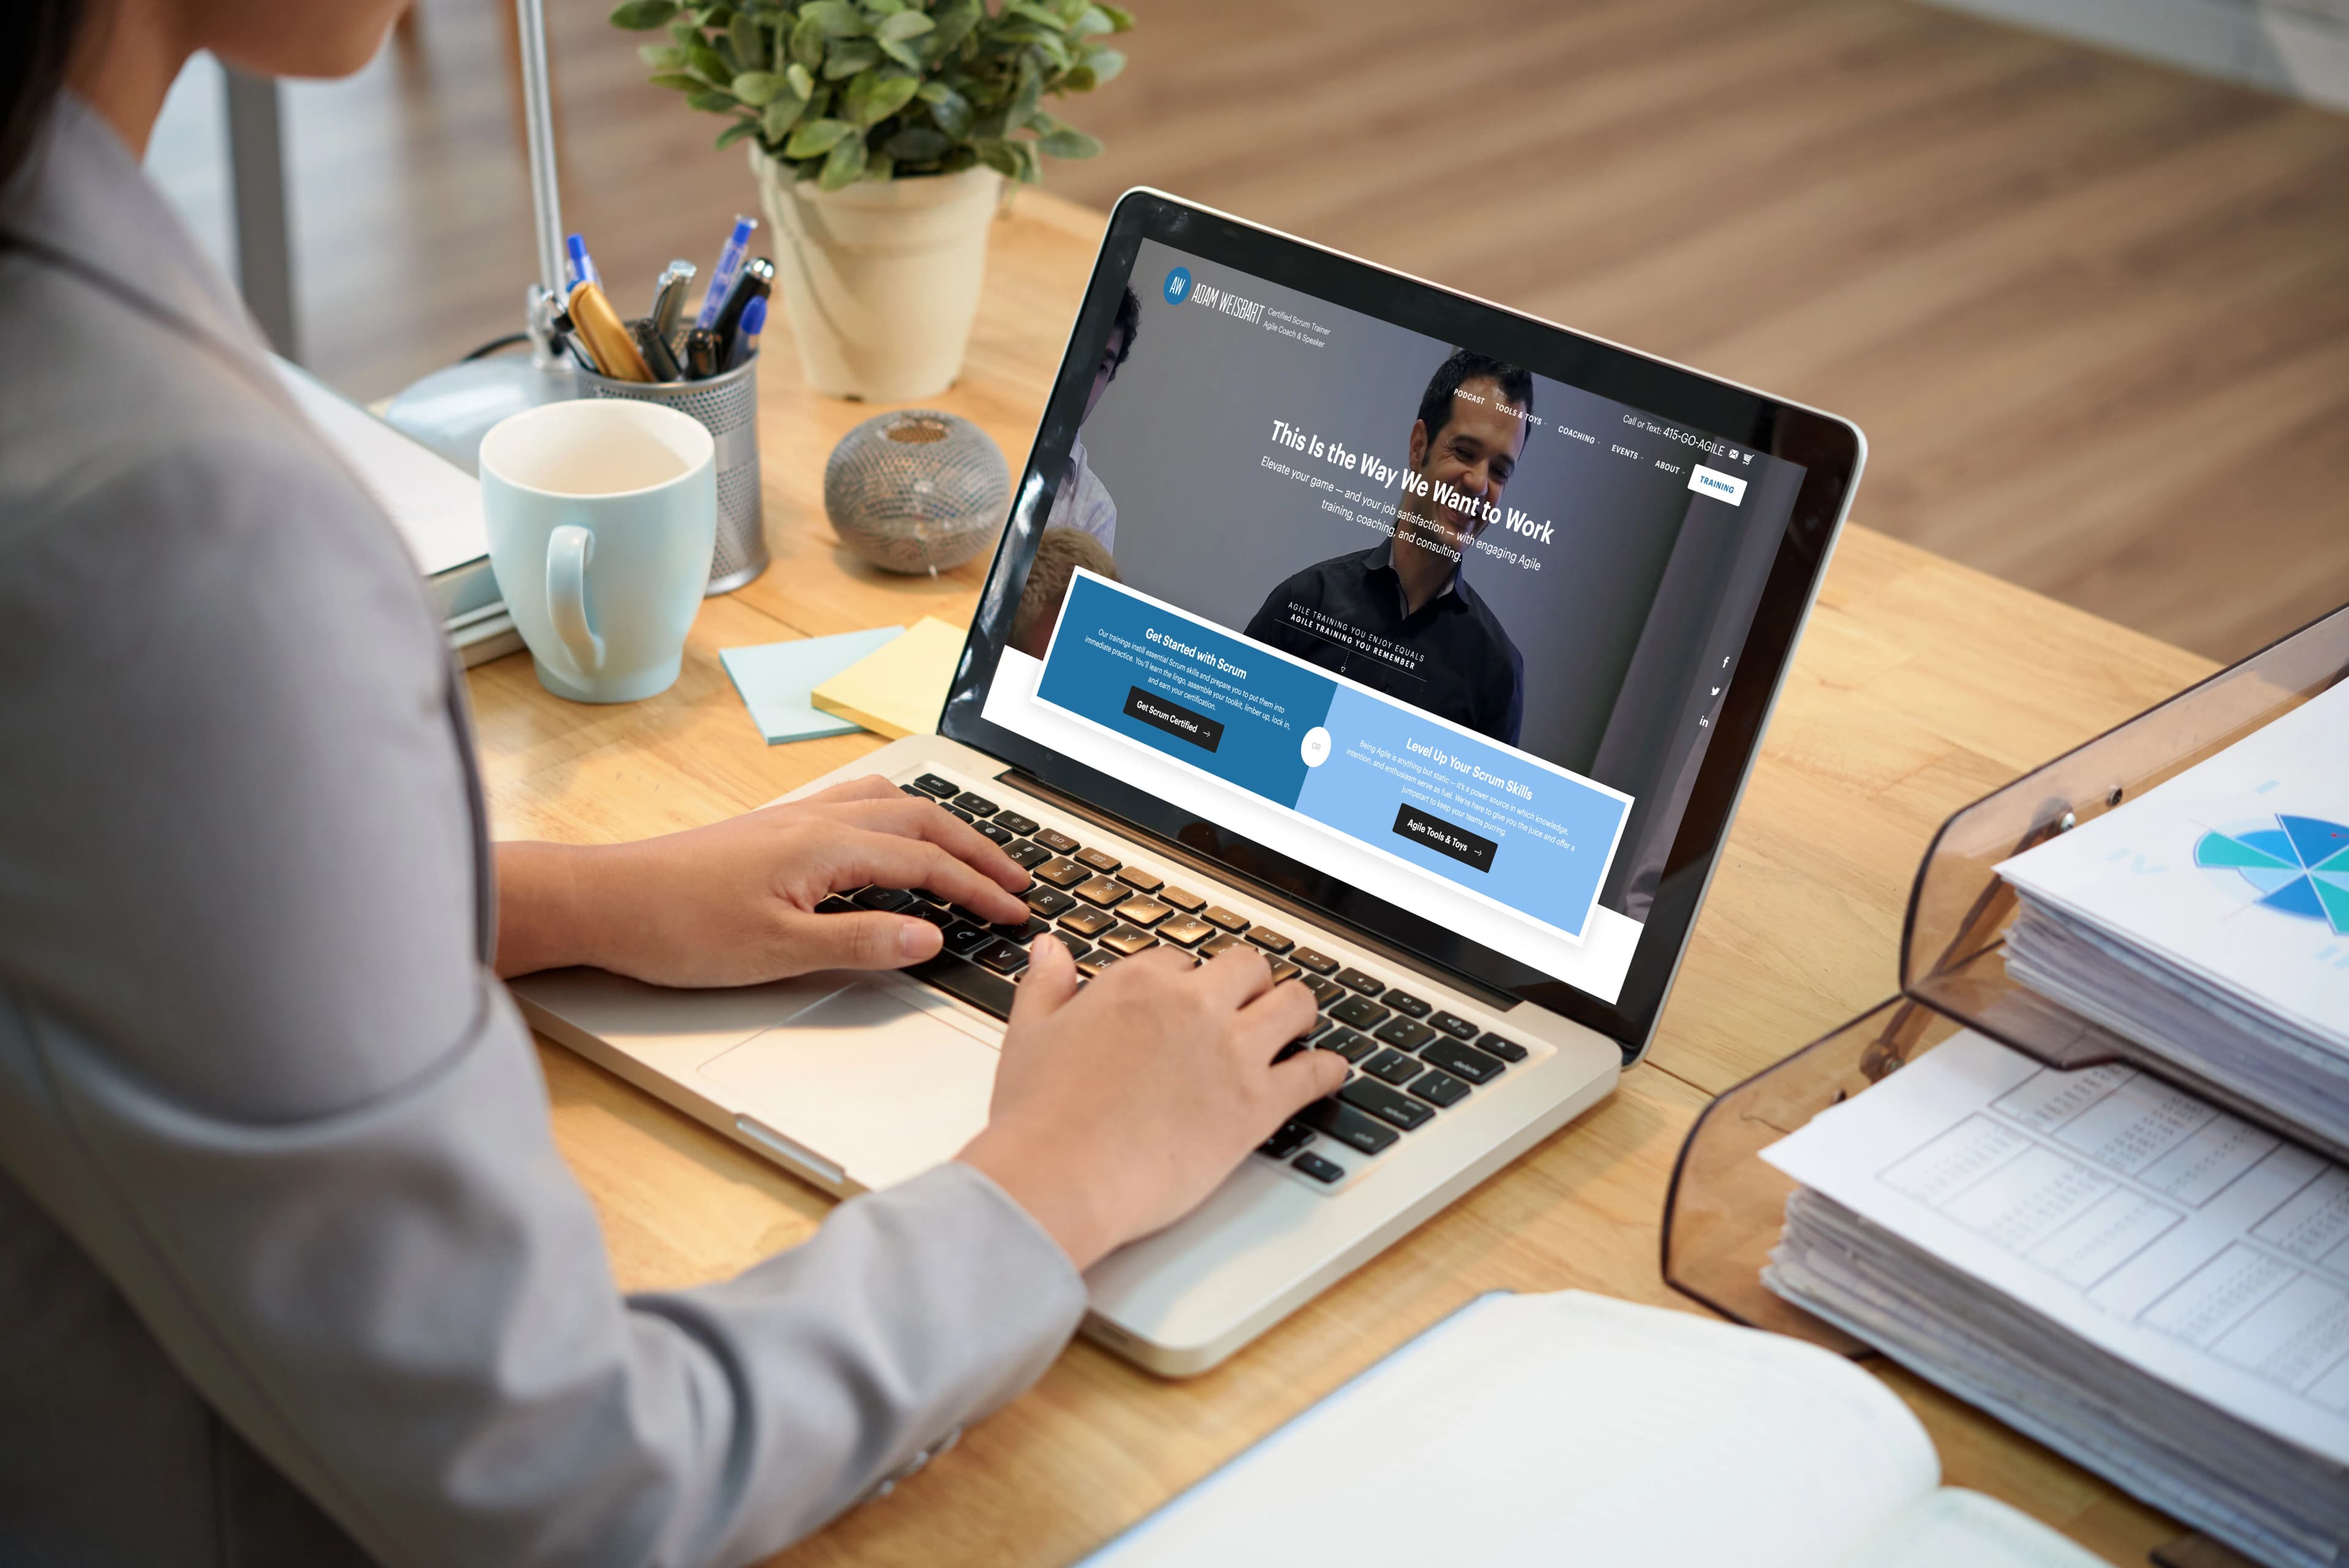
894, 862
871, 786
1237, 976
1050, 981
910, 818
860, 940
1307, 1076
1272, 1020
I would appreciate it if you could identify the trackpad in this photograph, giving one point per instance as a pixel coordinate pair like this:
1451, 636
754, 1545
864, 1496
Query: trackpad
867, 1079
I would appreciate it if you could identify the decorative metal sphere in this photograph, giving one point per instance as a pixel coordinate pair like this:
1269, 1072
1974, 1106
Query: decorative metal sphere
916, 491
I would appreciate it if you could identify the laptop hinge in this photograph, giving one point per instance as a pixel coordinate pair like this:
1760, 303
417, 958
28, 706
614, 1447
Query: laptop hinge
1484, 991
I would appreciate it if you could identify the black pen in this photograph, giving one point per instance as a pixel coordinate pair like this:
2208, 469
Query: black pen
756, 281
668, 299
700, 353
655, 347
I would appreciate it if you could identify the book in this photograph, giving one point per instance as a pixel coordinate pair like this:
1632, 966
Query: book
2147, 1284
776, 681
1574, 1428
900, 688
2208, 920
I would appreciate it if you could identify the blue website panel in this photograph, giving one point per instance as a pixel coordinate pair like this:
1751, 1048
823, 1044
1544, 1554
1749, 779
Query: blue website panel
1506, 827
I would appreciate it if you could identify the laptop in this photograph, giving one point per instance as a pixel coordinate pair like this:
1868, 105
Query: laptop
1422, 646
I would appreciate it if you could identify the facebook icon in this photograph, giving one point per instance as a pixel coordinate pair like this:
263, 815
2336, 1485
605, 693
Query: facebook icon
1178, 283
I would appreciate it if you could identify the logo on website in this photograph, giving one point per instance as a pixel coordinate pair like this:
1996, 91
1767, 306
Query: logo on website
1178, 285
2299, 866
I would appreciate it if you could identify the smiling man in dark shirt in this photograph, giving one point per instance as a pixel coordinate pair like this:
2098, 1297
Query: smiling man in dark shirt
1400, 617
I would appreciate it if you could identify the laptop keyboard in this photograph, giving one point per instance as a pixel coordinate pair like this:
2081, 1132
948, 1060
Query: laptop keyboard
1408, 1060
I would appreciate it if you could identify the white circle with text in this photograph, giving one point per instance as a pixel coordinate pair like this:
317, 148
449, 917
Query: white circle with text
1316, 748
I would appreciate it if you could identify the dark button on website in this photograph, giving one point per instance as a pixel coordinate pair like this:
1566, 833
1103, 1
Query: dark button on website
1445, 837
1173, 718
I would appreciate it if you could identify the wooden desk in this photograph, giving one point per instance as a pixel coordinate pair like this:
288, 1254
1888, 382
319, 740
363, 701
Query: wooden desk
1919, 685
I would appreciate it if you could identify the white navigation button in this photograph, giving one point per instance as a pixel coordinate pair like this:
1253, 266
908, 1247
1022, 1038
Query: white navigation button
1719, 485
1315, 748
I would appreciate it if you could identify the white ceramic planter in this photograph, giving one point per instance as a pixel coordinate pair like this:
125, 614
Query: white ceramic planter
880, 279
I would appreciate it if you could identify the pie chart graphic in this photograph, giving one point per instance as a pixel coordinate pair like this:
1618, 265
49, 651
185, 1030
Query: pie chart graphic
2299, 866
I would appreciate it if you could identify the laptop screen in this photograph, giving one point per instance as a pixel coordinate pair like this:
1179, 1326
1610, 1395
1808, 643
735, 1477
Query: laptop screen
1398, 608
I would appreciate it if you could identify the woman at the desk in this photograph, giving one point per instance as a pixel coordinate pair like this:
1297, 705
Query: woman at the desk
290, 1270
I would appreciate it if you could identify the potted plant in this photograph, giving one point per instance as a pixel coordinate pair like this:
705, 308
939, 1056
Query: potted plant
880, 132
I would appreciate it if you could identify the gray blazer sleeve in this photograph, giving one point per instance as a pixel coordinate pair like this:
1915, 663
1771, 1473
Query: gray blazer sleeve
251, 1061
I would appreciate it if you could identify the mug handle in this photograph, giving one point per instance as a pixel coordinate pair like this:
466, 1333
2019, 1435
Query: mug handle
568, 550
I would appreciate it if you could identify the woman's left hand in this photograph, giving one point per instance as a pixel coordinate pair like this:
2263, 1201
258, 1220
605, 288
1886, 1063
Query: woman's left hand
734, 903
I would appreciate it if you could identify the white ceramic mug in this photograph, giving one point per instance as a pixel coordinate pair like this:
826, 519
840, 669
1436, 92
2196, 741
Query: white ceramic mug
602, 515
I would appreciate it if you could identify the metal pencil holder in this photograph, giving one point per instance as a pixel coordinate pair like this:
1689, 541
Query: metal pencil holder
727, 406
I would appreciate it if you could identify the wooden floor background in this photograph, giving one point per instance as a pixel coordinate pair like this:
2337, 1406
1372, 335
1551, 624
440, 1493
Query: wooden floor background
2093, 313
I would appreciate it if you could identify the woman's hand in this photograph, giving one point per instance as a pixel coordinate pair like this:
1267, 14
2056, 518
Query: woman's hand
1117, 1109
734, 903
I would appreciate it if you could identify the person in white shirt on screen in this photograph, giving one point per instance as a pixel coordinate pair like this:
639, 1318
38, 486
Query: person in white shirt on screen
1083, 502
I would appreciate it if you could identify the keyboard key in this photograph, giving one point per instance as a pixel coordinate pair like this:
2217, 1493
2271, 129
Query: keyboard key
1088, 922
964, 941
1506, 1050
1022, 826
1318, 1168
1061, 873
1452, 1024
1293, 1048
1053, 839
1359, 1013
1347, 1043
1284, 970
1463, 1060
931, 913
1221, 942
1004, 958
1049, 901
1292, 1137
1027, 856
1183, 899
958, 811
835, 905
1440, 1089
1094, 962
971, 916
1325, 991
1320, 1026
1351, 1126
1078, 947
1105, 892
1355, 980
986, 992
1216, 915
1185, 930
996, 836
944, 789
1021, 931
1397, 1110
928, 897
1404, 1034
1391, 1068
1143, 912
1099, 859
1125, 941
889, 900
1271, 942
1319, 963
976, 804
1405, 1003
1140, 881
918, 795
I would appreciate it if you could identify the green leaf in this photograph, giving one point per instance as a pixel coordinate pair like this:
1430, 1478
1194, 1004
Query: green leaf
997, 154
807, 43
954, 24
886, 7
879, 166
846, 57
757, 89
781, 116
838, 18
709, 66
903, 25
957, 159
1104, 64
710, 98
685, 29
677, 81
1120, 17
843, 164
1093, 23
802, 84
904, 53
1024, 101
949, 110
750, 41
662, 56
735, 133
871, 99
642, 16
917, 144
815, 137
1042, 15
1068, 141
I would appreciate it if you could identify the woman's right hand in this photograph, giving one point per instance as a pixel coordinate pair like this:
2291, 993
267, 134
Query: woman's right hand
1119, 1107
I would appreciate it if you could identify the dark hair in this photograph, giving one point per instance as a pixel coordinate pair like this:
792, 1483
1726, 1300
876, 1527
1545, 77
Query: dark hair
1129, 321
37, 46
1435, 404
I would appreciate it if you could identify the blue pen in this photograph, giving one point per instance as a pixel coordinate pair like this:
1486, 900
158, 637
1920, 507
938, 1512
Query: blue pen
582, 265
721, 276
746, 337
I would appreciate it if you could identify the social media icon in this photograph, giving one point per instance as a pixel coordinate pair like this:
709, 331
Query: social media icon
1178, 285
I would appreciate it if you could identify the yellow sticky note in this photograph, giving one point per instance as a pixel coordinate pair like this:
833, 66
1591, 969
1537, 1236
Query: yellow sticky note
901, 687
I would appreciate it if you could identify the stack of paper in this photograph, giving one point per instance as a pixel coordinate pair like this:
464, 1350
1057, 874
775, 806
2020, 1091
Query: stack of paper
2209, 919
2143, 1283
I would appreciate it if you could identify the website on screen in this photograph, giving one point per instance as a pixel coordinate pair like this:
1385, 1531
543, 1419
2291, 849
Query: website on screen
1453, 631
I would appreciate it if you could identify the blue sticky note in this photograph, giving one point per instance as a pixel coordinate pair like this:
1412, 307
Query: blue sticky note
776, 679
